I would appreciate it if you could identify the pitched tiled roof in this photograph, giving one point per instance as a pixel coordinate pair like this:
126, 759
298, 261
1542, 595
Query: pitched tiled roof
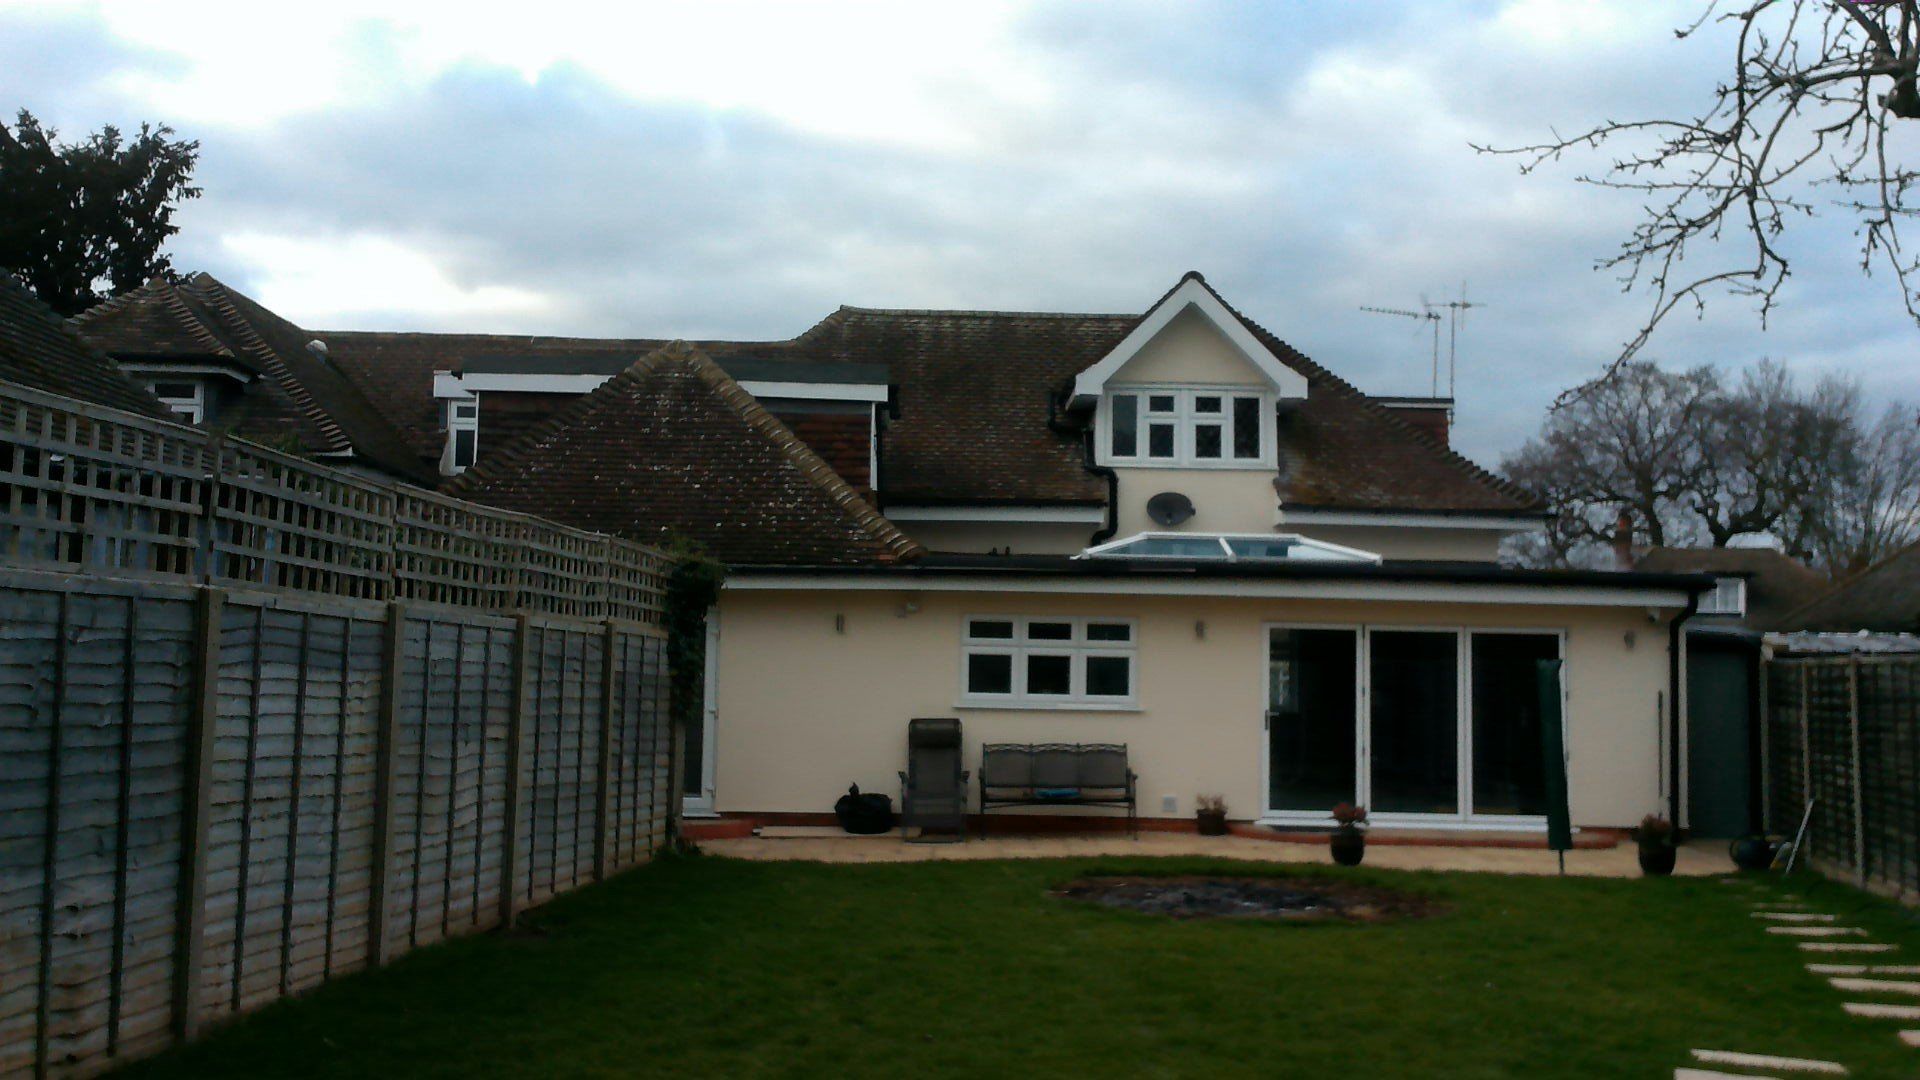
1776, 584
38, 350
293, 393
673, 445
1884, 597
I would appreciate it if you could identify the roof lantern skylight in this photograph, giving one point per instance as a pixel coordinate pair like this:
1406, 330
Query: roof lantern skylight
1227, 547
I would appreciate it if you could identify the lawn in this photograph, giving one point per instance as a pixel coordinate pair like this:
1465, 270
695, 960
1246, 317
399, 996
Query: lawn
706, 967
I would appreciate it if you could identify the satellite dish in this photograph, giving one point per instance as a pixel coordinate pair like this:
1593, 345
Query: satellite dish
1169, 508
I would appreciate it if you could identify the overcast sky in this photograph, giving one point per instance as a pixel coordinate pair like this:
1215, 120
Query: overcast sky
740, 169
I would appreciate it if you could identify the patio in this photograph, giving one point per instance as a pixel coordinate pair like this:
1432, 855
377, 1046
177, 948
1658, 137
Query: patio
830, 845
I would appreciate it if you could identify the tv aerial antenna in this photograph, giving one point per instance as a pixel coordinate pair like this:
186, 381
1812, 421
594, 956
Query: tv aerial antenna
1456, 322
1433, 319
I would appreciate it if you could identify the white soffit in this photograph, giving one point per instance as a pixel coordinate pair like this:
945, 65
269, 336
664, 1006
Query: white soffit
449, 385
1012, 515
1191, 293
1438, 592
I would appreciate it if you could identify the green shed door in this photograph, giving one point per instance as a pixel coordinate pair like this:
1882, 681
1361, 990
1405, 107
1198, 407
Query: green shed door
1720, 741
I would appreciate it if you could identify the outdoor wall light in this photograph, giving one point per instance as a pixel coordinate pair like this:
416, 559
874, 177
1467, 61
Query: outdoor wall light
1200, 629
840, 624
909, 605
1629, 639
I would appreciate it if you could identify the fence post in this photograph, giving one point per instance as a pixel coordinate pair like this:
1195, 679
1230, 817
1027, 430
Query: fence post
196, 806
1806, 738
603, 774
385, 768
1859, 778
516, 733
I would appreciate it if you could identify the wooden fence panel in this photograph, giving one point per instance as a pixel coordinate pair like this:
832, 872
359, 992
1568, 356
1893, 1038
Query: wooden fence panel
197, 815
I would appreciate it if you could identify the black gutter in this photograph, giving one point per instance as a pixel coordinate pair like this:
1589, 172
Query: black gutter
1059, 427
1675, 633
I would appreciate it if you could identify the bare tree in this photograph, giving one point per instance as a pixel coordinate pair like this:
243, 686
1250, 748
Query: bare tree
1695, 461
1633, 444
1804, 121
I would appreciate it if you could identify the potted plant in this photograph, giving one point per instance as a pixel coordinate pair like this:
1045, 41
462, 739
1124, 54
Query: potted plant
1348, 843
1211, 810
1657, 852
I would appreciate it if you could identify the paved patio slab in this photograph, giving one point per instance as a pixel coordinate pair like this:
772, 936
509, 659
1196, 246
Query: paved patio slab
1699, 860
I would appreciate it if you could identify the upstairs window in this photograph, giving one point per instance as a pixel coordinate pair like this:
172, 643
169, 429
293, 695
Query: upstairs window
1188, 426
187, 398
1729, 597
463, 435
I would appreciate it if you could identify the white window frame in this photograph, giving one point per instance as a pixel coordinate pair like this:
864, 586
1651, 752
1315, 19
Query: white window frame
1186, 423
1717, 603
1077, 647
1464, 816
188, 410
456, 423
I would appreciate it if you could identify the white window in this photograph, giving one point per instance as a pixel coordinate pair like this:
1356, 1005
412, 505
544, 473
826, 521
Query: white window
1039, 662
463, 435
1194, 427
186, 397
1729, 597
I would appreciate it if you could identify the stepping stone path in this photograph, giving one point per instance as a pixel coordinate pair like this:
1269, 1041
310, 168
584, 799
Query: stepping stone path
1875, 1011
1790, 917
1768, 1061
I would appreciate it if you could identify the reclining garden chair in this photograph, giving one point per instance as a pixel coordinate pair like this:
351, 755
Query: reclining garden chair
933, 789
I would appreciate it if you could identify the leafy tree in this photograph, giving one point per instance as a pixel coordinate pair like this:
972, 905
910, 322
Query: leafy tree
1804, 120
83, 221
1696, 461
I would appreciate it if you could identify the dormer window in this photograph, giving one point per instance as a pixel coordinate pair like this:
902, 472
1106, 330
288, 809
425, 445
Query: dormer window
1187, 427
1729, 597
463, 435
187, 398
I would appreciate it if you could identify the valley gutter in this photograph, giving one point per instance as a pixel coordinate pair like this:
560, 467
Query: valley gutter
1055, 424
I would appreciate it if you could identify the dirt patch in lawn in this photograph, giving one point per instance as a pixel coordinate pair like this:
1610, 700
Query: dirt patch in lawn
1292, 899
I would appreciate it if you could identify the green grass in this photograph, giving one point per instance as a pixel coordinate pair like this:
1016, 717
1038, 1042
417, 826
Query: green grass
709, 967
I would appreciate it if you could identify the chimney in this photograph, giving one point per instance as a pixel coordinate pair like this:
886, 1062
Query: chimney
1623, 541
1434, 416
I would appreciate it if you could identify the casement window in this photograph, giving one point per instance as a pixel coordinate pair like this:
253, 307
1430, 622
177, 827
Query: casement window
1039, 662
463, 434
1192, 427
1729, 597
187, 398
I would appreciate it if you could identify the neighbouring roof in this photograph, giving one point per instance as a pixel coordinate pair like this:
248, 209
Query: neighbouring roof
294, 393
674, 446
1776, 583
977, 394
1816, 643
38, 350
1885, 598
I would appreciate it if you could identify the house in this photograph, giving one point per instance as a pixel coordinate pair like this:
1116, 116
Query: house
1753, 589
38, 350
215, 357
1884, 598
1164, 528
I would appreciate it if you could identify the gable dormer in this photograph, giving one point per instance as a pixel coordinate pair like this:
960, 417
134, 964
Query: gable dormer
1189, 387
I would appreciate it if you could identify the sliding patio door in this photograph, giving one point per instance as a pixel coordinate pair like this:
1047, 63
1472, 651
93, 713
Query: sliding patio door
1313, 693
1414, 743
1509, 775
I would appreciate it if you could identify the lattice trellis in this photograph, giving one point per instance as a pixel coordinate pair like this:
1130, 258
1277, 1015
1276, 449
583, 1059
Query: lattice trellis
85, 488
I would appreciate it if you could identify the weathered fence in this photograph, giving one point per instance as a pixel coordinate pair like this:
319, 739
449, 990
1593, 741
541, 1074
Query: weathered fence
264, 723
1844, 731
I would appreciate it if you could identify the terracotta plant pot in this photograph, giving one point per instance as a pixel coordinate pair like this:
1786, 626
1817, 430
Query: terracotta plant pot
1212, 822
1656, 860
1348, 844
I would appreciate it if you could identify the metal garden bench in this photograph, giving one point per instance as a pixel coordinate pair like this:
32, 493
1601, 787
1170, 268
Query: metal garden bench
1057, 774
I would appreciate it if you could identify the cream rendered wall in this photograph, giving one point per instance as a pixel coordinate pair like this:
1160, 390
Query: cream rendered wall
804, 711
1189, 349
1475, 545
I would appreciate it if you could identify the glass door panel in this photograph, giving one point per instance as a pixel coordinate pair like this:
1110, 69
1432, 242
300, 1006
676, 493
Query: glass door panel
1414, 743
1508, 773
1311, 713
